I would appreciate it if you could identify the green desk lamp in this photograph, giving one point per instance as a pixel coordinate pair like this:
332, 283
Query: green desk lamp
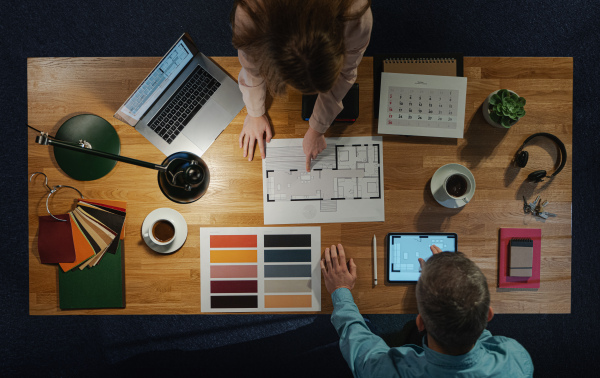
183, 177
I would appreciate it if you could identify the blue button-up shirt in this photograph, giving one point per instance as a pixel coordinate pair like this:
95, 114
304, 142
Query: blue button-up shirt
369, 356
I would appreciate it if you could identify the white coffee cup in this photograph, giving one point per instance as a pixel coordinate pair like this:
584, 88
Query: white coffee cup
458, 186
161, 232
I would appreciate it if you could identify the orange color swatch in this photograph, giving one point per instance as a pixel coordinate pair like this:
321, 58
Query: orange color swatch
233, 256
83, 249
288, 301
233, 241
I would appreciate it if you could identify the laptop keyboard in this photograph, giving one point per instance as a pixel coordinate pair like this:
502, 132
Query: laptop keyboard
184, 104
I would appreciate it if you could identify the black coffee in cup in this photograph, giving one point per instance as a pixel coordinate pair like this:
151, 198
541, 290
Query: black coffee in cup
163, 230
456, 185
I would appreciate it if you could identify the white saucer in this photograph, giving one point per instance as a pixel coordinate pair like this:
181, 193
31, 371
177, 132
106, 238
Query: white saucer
181, 229
439, 179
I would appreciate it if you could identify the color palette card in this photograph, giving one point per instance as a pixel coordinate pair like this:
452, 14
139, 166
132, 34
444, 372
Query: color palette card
260, 269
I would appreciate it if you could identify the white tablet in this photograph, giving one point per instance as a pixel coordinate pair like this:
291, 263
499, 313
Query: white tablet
405, 249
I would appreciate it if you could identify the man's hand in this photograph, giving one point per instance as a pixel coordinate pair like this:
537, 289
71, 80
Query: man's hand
312, 144
434, 249
252, 132
335, 270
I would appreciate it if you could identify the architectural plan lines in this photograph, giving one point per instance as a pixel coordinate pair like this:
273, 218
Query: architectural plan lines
345, 183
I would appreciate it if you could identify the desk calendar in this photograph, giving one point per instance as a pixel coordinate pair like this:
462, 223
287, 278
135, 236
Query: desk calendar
424, 105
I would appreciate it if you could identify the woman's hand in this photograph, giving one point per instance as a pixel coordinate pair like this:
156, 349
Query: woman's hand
312, 144
252, 132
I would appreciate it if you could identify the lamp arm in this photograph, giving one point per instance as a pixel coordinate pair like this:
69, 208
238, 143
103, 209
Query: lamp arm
44, 139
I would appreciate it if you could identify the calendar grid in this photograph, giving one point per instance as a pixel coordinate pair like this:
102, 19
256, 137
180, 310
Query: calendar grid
423, 105
423, 108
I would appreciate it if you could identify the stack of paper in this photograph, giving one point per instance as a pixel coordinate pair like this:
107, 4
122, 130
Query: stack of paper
88, 249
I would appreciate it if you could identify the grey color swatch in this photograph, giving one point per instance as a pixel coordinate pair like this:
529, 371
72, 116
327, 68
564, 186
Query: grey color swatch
287, 271
288, 286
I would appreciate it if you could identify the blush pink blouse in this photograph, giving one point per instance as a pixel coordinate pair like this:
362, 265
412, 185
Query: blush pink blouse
357, 34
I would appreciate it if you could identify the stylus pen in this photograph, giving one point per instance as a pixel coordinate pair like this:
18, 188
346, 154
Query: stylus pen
374, 260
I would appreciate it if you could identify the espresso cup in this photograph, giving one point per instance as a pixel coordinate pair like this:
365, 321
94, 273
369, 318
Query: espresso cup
161, 232
458, 186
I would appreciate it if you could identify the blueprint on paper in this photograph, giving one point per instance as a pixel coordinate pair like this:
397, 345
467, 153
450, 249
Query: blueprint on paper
345, 183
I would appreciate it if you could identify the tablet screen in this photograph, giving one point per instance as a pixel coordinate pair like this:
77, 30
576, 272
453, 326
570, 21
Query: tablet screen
405, 249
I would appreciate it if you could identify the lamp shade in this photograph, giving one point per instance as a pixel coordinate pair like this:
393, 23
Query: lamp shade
99, 134
186, 178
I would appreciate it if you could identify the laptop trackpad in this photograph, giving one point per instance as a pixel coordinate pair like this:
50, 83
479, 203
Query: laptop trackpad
207, 124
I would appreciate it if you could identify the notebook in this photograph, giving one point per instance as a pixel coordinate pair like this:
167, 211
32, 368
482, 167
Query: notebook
533, 236
184, 103
446, 64
520, 258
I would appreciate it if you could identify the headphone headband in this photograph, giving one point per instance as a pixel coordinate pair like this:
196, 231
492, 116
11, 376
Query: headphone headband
559, 143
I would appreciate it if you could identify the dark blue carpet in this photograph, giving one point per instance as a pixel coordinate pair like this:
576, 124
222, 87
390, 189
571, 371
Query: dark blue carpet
560, 345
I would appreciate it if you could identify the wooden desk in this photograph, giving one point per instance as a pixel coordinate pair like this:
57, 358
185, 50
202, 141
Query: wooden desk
59, 88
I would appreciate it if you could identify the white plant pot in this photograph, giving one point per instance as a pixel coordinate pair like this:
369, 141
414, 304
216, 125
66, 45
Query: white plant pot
485, 108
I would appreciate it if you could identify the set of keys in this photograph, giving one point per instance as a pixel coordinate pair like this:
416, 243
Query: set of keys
537, 208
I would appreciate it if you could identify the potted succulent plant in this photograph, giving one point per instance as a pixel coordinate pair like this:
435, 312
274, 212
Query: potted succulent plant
503, 108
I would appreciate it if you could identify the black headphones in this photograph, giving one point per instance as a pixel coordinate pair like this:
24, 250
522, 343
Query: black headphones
522, 157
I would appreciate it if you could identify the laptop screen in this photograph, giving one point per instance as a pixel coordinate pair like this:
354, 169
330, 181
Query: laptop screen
166, 71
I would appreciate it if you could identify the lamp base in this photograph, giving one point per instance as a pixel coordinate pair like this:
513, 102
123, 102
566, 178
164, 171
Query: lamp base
184, 167
99, 134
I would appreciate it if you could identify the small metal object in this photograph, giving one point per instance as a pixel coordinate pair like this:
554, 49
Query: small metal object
536, 208
52, 190
526, 208
532, 207
546, 214
539, 208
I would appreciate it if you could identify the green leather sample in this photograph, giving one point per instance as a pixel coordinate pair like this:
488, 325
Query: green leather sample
98, 287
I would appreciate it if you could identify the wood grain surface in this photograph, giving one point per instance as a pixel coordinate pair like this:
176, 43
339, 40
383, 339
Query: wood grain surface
59, 88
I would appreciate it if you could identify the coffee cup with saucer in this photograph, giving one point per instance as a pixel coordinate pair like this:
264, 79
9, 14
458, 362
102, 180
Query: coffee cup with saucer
164, 230
453, 185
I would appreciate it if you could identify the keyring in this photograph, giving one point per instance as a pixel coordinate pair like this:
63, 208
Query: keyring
52, 191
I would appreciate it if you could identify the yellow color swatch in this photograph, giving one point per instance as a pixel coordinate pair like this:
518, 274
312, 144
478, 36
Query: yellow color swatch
232, 256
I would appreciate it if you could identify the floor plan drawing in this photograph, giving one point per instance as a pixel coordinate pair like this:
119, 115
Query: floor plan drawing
345, 183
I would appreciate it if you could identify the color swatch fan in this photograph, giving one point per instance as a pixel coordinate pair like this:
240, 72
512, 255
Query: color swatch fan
95, 278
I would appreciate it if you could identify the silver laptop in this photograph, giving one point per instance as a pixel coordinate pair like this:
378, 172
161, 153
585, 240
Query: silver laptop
184, 103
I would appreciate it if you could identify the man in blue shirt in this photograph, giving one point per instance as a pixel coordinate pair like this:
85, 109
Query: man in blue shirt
454, 308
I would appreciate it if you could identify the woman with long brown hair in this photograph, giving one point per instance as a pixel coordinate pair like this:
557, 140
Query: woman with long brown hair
314, 46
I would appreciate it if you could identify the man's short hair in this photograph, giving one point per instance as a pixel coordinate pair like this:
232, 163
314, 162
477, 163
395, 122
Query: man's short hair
453, 300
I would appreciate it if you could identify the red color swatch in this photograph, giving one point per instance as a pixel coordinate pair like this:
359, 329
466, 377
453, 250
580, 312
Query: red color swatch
233, 286
233, 241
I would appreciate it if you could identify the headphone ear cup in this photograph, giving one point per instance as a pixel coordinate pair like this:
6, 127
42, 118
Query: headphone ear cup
522, 158
537, 176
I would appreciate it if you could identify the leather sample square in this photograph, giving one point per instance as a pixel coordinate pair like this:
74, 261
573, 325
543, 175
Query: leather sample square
55, 240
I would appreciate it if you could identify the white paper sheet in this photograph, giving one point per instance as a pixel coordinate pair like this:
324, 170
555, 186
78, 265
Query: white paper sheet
260, 269
425, 105
345, 183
